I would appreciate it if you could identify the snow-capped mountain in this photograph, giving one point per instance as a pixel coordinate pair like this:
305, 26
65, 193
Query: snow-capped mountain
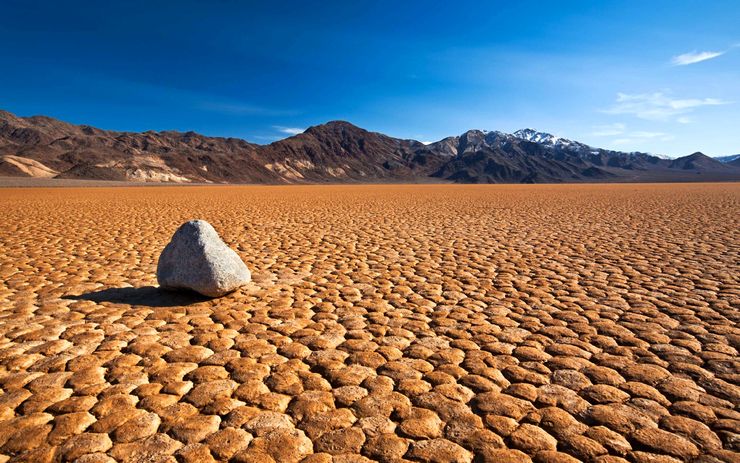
542, 137
729, 158
582, 150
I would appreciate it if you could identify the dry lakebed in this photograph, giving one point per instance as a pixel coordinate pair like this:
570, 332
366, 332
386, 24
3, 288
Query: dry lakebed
389, 323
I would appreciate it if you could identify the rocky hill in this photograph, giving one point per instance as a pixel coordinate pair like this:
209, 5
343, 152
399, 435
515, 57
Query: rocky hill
335, 152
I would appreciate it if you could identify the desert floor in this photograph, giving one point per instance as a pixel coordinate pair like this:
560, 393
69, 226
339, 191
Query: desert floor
384, 323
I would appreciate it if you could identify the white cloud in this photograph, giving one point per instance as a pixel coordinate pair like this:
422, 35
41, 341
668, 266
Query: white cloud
651, 135
289, 130
695, 57
641, 136
684, 120
608, 130
658, 106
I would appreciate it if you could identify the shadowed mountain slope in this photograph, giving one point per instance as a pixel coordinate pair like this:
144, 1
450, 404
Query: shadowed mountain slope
335, 152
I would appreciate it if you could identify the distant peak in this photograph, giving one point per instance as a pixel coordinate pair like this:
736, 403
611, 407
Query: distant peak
528, 132
332, 126
544, 138
535, 135
695, 156
337, 123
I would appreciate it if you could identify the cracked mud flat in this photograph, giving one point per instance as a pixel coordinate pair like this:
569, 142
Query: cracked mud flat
384, 323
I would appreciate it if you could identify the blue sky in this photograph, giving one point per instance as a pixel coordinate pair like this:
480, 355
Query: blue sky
658, 76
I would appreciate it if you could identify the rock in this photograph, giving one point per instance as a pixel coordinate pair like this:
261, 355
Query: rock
560, 423
268, 421
311, 403
473, 438
226, 443
502, 425
647, 457
27, 439
552, 456
422, 424
195, 453
665, 442
195, 428
318, 458
198, 260
530, 439
376, 425
316, 425
645, 373
503, 456
280, 445
439, 451
609, 459
503, 405
614, 442
583, 447
348, 395
153, 448
68, 425
98, 457
571, 379
206, 393
82, 444
386, 447
381, 405
696, 432
604, 393
348, 440
620, 418
143, 425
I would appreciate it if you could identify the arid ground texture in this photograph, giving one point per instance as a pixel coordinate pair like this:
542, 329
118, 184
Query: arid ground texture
433, 323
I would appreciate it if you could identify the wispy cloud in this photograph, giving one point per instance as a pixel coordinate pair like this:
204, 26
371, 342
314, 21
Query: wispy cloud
695, 57
699, 56
288, 130
638, 136
658, 106
651, 135
608, 130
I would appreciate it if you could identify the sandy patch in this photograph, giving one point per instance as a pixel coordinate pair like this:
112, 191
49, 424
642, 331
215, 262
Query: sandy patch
30, 167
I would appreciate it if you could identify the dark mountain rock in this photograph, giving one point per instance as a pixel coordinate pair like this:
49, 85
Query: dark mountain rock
698, 161
334, 152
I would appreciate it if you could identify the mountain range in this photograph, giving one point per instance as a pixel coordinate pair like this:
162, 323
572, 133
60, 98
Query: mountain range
335, 152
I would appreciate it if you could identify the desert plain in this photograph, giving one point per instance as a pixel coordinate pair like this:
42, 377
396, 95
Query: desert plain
430, 323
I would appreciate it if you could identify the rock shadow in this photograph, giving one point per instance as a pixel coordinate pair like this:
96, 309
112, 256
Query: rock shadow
151, 296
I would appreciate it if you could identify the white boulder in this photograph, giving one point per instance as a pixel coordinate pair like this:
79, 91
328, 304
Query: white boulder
197, 259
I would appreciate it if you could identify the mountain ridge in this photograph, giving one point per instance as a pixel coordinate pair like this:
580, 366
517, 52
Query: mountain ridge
728, 159
333, 152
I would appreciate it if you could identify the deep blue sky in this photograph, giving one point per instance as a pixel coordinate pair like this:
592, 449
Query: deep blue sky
609, 73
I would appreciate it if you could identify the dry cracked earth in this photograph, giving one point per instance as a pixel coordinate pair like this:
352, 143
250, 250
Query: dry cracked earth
384, 323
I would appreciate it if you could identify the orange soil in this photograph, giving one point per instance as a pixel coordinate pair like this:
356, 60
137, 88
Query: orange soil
384, 323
